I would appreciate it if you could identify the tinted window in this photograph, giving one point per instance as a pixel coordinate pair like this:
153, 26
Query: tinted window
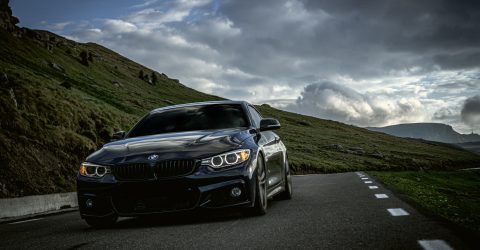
191, 118
255, 116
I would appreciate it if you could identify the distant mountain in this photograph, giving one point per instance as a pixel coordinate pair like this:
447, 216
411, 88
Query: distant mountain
428, 131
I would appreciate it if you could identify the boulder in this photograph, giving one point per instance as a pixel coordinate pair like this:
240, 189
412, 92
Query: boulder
168, 101
377, 154
116, 83
12, 96
56, 66
356, 151
336, 147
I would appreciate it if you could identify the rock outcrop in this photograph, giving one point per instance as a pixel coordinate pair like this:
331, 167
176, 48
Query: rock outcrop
7, 21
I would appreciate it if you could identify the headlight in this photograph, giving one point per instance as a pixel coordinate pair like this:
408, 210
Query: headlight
93, 170
227, 159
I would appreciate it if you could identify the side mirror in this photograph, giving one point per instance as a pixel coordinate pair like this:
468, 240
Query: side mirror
118, 135
269, 124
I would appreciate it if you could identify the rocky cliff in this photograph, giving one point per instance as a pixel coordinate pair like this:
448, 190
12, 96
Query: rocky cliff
7, 20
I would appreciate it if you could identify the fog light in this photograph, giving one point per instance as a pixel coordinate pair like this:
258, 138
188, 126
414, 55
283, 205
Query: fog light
89, 203
235, 192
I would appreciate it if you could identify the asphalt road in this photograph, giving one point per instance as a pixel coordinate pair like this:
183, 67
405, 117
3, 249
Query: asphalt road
335, 211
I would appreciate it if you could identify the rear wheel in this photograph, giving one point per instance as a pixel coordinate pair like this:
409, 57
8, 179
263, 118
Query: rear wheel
102, 222
288, 191
261, 200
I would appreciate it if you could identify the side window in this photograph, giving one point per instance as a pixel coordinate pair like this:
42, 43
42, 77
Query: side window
255, 116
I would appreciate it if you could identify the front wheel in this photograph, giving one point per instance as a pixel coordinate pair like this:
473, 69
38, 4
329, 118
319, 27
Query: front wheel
260, 207
102, 222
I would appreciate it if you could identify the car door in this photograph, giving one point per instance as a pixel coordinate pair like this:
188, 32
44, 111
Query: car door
272, 150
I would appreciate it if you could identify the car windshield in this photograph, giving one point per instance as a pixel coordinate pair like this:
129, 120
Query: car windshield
205, 117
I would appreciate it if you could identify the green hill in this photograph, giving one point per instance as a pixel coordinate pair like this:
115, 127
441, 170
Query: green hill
60, 100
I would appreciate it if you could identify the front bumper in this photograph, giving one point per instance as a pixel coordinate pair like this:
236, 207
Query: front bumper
204, 188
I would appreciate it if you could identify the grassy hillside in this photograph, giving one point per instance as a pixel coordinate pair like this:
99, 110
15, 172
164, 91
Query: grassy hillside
55, 109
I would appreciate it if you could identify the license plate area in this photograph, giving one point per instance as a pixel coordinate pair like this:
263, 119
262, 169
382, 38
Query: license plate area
153, 197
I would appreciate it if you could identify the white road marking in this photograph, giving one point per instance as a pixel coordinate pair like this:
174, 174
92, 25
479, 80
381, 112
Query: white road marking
364, 178
397, 212
368, 182
434, 245
23, 221
372, 187
381, 196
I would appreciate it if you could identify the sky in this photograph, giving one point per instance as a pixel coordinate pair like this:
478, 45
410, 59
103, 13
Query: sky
366, 63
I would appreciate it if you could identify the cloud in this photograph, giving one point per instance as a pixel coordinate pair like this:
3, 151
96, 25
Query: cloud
391, 61
118, 26
333, 101
471, 112
445, 114
57, 26
158, 13
279, 103
144, 4
355, 38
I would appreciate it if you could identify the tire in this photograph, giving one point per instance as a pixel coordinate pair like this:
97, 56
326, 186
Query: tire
102, 222
261, 199
288, 191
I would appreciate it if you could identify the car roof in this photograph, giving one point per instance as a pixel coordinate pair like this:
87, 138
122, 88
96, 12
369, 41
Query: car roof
199, 104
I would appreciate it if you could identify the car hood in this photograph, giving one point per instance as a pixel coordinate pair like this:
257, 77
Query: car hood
182, 145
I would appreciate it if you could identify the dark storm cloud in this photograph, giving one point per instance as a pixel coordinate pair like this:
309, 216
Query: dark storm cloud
471, 111
287, 40
410, 24
392, 61
358, 38
463, 60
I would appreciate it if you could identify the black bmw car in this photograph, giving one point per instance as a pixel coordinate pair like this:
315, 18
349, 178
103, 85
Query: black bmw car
200, 155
